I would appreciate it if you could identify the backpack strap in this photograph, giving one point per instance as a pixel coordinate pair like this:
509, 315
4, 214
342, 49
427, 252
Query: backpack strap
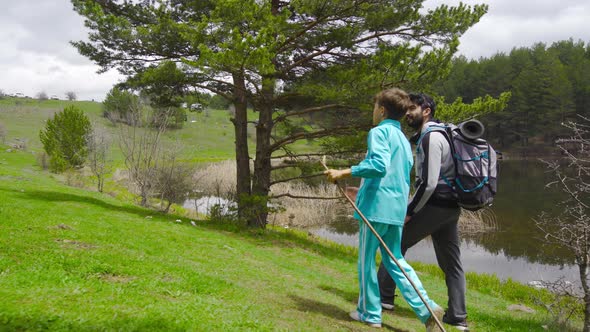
446, 131
448, 135
479, 186
439, 128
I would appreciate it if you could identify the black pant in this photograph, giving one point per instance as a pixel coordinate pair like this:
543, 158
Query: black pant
441, 224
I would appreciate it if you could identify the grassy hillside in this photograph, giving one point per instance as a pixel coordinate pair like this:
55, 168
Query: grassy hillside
206, 136
74, 260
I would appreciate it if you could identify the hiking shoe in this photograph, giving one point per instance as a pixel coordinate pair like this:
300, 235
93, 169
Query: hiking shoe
355, 315
431, 325
387, 306
461, 325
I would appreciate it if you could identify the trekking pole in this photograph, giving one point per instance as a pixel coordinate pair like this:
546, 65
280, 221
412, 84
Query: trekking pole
323, 161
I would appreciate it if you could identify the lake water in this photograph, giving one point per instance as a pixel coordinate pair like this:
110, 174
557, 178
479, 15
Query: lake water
516, 249
204, 204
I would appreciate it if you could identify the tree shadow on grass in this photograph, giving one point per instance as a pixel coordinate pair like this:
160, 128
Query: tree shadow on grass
47, 322
53, 196
353, 296
401, 312
300, 239
348, 296
329, 310
266, 237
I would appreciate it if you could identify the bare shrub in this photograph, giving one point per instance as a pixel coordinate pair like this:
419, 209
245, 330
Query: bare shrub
562, 304
174, 180
71, 95
142, 150
41, 96
74, 178
99, 159
570, 228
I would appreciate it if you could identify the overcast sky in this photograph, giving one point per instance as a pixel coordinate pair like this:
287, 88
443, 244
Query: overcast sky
35, 54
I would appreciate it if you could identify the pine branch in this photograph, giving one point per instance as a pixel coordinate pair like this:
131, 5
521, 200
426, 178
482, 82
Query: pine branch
274, 168
303, 197
296, 178
315, 154
320, 133
217, 91
282, 117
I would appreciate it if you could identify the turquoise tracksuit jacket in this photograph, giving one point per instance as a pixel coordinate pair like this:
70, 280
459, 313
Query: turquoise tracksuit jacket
383, 194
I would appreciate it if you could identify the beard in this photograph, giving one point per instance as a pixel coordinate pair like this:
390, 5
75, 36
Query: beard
414, 123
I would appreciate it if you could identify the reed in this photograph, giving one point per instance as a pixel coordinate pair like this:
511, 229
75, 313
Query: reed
306, 212
471, 222
219, 179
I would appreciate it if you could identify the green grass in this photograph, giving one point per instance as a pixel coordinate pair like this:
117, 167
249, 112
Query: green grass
205, 137
209, 138
75, 260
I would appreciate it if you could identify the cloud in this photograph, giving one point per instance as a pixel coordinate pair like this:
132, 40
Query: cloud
524, 9
509, 24
37, 56
45, 27
55, 77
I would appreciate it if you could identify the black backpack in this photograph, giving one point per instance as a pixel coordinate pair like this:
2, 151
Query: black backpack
476, 167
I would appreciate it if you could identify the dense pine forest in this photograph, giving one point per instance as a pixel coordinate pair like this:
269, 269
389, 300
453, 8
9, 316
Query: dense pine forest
550, 85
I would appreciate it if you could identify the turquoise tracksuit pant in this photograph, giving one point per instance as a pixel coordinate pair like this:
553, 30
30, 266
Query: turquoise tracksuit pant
369, 304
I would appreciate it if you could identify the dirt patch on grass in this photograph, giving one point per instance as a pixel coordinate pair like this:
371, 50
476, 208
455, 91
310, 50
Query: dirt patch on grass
116, 278
76, 244
62, 226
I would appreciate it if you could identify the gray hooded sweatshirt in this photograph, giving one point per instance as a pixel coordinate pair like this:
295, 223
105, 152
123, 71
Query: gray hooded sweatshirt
433, 158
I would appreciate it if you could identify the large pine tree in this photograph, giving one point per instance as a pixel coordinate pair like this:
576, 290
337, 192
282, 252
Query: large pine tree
285, 58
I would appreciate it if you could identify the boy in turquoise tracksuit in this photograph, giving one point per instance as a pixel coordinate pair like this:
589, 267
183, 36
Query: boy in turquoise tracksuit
383, 199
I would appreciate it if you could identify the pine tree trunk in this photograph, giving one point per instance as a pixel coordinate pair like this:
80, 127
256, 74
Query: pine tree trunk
262, 165
240, 122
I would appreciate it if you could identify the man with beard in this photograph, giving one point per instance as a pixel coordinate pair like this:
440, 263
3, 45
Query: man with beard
433, 210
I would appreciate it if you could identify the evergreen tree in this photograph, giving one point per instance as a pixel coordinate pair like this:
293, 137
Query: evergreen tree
64, 139
121, 106
576, 60
549, 85
270, 53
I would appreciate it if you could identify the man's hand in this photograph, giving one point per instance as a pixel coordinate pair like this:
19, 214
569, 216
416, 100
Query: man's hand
337, 174
408, 218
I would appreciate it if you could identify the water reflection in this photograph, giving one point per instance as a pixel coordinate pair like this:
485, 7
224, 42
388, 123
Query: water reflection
203, 205
517, 249
476, 258
522, 196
